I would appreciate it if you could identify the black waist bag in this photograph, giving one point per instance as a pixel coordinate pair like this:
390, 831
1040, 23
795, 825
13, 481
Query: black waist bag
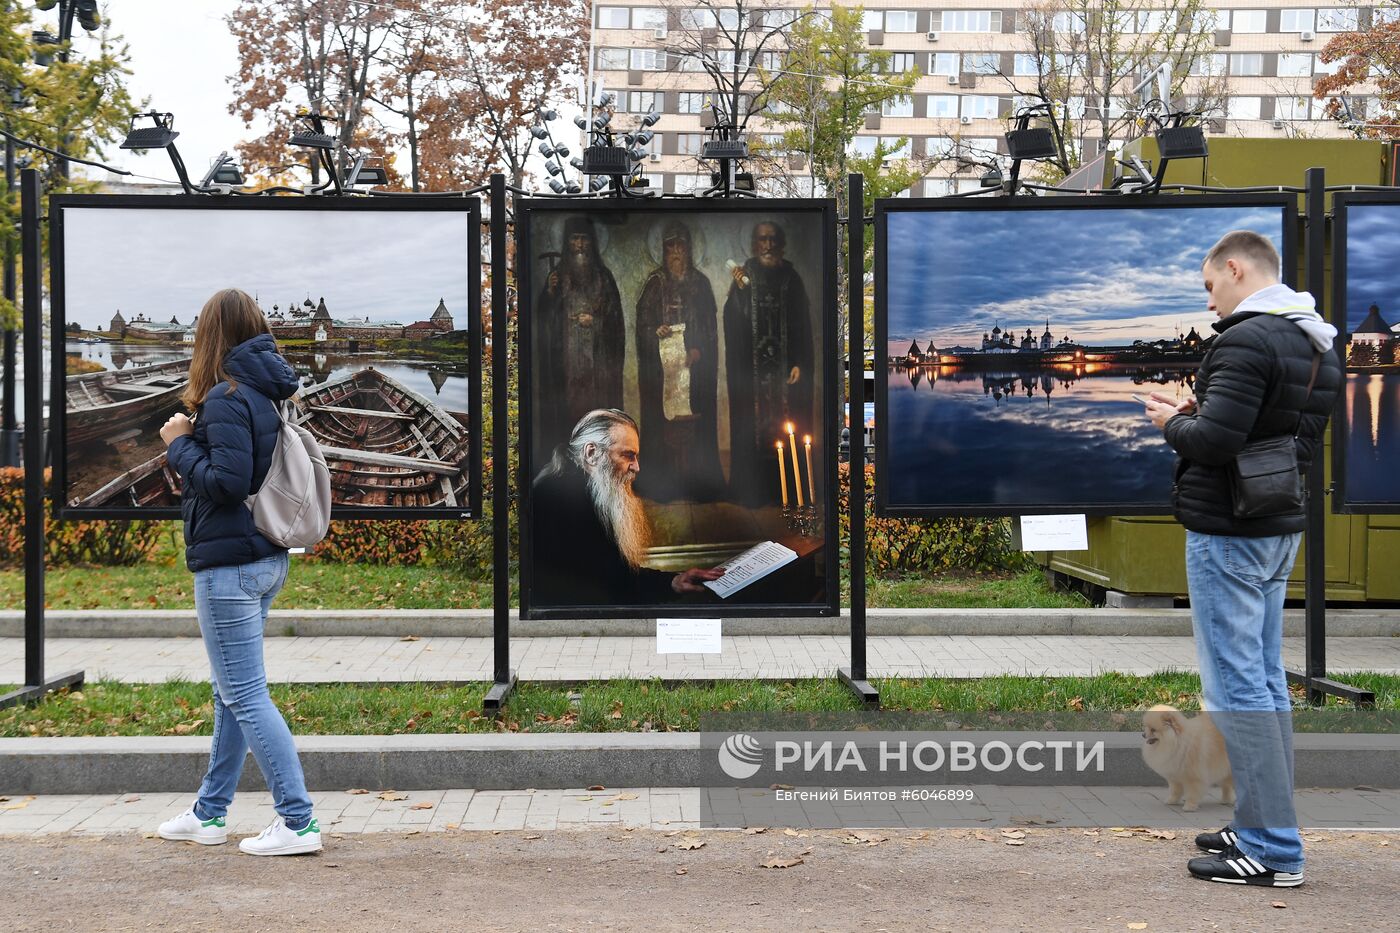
1264, 477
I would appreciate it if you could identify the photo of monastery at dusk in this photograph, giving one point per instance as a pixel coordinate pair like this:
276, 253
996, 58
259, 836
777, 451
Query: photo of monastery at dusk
381, 341
1371, 404
1009, 377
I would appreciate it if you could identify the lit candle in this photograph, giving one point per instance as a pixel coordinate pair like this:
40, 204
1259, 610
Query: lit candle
796, 469
782, 473
811, 489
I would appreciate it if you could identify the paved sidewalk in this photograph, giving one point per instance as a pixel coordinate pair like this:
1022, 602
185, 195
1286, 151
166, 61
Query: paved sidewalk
660, 808
309, 659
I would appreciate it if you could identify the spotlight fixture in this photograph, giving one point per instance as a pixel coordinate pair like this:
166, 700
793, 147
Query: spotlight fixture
992, 177
651, 118
715, 149
42, 40
311, 139
160, 134
597, 183
539, 132
561, 150
546, 150
371, 176
553, 168
581, 122
743, 181
636, 153
557, 186
88, 16
601, 121
577, 163
606, 98
223, 175
549, 115
1182, 142
573, 187
606, 160
1035, 142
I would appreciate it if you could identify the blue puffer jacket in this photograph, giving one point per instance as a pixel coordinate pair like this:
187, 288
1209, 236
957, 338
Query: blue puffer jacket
228, 456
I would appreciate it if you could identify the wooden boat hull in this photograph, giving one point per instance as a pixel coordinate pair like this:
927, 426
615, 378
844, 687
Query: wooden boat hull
100, 404
386, 446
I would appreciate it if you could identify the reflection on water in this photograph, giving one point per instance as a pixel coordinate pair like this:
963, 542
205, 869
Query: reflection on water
1070, 435
1373, 438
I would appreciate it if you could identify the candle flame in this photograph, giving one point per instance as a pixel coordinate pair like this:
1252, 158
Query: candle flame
806, 438
780, 445
788, 426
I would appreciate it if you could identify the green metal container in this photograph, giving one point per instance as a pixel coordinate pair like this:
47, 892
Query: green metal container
1144, 555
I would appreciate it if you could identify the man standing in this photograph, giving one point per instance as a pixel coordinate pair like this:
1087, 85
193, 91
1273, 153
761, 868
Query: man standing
581, 336
1271, 372
768, 361
677, 373
590, 533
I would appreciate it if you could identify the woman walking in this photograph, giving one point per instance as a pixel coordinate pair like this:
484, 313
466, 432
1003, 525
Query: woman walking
237, 378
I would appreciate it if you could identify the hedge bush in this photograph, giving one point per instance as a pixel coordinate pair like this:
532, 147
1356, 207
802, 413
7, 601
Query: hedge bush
105, 543
898, 546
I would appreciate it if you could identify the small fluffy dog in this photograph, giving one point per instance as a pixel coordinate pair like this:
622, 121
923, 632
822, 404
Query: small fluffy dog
1189, 753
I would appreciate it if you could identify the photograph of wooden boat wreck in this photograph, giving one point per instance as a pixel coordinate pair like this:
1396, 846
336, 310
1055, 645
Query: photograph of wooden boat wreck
386, 446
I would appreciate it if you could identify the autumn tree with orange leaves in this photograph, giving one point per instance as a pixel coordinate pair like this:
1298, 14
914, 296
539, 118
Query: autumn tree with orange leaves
1369, 57
455, 84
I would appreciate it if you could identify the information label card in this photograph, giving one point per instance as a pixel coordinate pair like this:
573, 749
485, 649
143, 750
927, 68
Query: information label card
688, 636
1054, 533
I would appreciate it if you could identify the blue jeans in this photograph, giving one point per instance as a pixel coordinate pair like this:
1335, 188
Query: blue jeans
1237, 587
232, 603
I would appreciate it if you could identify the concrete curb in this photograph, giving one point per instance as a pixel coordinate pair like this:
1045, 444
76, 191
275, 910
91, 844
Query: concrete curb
476, 623
112, 765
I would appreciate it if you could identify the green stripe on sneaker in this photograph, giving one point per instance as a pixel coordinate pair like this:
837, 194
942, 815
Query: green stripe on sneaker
216, 821
311, 827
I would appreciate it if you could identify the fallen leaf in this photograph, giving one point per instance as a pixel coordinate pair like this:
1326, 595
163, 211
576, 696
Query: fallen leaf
780, 862
794, 833
864, 838
357, 790
982, 836
1137, 926
780, 787
392, 795
1013, 834
585, 797
129, 798
755, 830
410, 638
533, 836
413, 832
1014, 842
20, 804
688, 844
453, 825
1100, 855
1161, 834
1091, 832
421, 805
1279, 904
680, 871
597, 787
625, 797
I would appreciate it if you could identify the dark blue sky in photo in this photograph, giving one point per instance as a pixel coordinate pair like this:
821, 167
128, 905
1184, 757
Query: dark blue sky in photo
1101, 276
1373, 262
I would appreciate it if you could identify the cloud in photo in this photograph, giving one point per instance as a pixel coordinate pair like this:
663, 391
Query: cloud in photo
1373, 254
384, 265
1100, 276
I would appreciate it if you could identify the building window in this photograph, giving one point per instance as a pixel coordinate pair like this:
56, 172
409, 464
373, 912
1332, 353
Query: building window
864, 145
979, 106
614, 17
1249, 21
770, 61
1068, 65
648, 60
648, 17
1337, 20
1246, 65
872, 19
1295, 64
1292, 108
1210, 20
944, 106
1295, 21
943, 63
982, 63
691, 184
1068, 23
691, 102
1211, 65
647, 101
900, 21
900, 62
898, 107
612, 59
1329, 68
1243, 108
1026, 65
1150, 21
1075, 107
688, 143
971, 21
894, 151
1385, 14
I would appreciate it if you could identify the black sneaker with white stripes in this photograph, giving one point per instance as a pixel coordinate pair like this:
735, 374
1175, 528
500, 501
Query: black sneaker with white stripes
1231, 866
1216, 842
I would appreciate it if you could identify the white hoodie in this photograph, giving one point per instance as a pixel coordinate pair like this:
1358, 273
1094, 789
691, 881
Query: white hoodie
1298, 307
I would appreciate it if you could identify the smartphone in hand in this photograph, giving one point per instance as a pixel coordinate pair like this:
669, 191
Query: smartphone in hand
1141, 399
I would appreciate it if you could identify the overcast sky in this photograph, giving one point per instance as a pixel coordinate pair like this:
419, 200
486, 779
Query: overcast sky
1101, 276
384, 265
1373, 252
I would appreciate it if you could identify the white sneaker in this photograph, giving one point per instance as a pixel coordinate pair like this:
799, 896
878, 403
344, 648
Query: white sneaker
189, 828
277, 839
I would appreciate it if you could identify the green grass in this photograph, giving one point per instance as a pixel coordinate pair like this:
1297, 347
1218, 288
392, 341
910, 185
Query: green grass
184, 708
162, 582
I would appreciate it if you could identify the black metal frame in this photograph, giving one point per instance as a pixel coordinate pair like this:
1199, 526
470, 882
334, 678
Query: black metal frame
470, 206
829, 399
1341, 420
36, 686
855, 676
1287, 204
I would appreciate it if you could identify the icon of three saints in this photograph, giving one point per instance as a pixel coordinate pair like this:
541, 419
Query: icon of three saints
769, 373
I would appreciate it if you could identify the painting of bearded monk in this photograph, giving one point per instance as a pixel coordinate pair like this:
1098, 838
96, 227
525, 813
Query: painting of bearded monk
582, 337
768, 353
677, 306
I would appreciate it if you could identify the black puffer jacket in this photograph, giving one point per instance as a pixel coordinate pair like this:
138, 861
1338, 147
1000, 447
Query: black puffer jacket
228, 456
1251, 385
